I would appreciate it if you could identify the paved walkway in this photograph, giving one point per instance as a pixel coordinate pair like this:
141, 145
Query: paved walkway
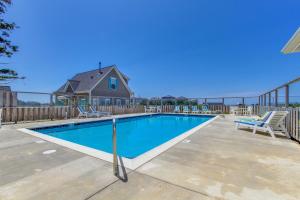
217, 162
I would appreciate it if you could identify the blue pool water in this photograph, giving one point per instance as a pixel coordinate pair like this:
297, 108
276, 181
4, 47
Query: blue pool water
135, 135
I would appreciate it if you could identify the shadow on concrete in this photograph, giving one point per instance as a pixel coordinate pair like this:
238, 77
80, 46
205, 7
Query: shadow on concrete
281, 136
121, 168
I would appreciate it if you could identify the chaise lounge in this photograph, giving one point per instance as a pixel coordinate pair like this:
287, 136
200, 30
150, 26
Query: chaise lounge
274, 121
84, 113
102, 113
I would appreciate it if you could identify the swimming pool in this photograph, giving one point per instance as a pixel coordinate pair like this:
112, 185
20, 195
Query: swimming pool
135, 135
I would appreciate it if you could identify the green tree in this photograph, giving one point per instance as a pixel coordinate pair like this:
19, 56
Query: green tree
7, 49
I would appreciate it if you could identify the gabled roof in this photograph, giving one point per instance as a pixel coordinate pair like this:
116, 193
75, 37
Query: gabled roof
86, 81
293, 45
74, 84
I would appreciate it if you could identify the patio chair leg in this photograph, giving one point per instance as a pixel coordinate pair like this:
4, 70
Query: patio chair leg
254, 130
271, 132
285, 131
237, 126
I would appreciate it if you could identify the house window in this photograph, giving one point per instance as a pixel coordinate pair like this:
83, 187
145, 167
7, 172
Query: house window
82, 101
113, 83
118, 102
107, 102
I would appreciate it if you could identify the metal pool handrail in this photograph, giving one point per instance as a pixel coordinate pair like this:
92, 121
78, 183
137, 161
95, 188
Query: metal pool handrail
114, 141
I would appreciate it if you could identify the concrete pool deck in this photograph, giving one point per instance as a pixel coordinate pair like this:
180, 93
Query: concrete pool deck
216, 162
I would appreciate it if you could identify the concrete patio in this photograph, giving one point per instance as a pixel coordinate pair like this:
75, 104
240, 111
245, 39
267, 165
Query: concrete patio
217, 162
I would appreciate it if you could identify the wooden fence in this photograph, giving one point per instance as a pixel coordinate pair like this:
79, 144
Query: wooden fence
18, 114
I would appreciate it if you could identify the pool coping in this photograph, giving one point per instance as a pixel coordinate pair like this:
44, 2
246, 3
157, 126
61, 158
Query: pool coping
128, 163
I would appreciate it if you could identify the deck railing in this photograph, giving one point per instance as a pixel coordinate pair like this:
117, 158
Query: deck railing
20, 114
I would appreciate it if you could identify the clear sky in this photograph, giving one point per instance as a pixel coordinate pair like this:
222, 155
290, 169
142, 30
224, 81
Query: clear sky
189, 48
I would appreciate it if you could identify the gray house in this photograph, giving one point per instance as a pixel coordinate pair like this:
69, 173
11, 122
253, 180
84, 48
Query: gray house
103, 86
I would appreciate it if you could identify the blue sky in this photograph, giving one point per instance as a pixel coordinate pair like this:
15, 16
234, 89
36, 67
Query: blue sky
189, 48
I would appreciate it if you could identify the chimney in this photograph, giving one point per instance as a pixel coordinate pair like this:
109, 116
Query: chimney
100, 72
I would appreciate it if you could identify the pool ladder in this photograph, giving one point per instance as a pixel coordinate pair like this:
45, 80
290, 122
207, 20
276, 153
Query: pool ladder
114, 141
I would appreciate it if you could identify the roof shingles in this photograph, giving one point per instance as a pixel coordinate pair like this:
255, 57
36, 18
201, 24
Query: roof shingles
83, 82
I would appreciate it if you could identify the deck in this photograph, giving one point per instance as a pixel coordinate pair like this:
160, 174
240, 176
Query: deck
217, 162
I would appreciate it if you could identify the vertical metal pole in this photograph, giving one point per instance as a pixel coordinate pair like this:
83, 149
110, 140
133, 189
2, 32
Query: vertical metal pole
269, 103
265, 100
259, 100
114, 138
205, 100
243, 100
276, 98
287, 96
51, 99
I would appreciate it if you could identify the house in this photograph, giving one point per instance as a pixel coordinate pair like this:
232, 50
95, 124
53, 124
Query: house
103, 86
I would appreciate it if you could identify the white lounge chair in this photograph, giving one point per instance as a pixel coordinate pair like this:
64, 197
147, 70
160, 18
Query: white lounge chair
273, 122
150, 109
158, 109
186, 109
195, 110
206, 110
100, 113
177, 109
252, 119
83, 113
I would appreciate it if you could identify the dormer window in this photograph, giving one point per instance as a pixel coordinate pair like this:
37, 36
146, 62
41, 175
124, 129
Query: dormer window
113, 83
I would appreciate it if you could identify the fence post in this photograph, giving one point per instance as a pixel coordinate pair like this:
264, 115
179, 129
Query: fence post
287, 96
276, 98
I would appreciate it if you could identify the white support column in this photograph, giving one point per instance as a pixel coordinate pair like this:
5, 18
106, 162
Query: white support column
90, 98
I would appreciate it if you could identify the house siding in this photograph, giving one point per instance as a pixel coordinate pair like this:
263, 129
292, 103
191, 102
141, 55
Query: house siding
102, 88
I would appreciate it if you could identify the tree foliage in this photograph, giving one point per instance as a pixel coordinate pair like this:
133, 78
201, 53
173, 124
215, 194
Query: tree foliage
7, 48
